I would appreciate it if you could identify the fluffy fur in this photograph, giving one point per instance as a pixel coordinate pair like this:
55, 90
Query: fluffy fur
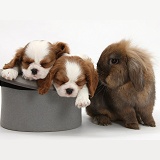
72, 76
126, 89
34, 60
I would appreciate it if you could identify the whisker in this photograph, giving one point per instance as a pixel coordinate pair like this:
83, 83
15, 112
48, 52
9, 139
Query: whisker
102, 87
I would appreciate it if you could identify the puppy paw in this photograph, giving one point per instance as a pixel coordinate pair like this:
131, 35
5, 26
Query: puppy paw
82, 102
101, 120
9, 74
132, 125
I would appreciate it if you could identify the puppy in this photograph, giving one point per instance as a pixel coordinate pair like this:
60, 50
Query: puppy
72, 76
34, 60
126, 89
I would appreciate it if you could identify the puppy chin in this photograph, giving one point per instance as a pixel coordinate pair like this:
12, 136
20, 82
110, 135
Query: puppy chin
41, 74
63, 94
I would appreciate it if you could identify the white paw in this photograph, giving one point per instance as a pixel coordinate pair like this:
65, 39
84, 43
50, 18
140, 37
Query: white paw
9, 74
82, 102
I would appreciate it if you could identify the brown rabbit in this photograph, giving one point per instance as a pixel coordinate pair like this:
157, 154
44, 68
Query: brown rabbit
126, 89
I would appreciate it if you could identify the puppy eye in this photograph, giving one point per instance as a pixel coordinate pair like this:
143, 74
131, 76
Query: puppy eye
114, 61
46, 64
59, 82
28, 63
81, 83
43, 64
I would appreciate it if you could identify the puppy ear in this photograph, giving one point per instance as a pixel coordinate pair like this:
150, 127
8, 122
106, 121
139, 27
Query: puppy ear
136, 72
45, 84
92, 78
16, 60
60, 48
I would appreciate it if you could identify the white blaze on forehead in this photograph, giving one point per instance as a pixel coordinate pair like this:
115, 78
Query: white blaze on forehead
73, 70
37, 50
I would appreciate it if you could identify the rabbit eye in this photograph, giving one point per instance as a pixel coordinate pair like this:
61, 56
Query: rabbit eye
114, 61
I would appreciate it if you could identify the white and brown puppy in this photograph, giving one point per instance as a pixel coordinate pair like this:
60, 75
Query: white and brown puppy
34, 60
72, 76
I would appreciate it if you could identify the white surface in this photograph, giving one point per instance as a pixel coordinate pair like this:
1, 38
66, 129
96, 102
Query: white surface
88, 27
88, 38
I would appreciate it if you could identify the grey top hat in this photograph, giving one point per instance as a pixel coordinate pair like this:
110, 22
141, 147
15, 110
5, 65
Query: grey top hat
23, 109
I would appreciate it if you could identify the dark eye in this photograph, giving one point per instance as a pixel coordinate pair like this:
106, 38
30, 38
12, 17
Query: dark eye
114, 61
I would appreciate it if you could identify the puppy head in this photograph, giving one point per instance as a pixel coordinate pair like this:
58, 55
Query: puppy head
120, 63
37, 58
70, 74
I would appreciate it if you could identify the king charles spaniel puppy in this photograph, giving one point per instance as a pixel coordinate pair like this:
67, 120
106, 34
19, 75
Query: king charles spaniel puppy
34, 60
72, 76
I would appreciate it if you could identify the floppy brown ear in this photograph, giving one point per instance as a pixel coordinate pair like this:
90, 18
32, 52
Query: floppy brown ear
60, 48
16, 60
92, 78
135, 68
45, 84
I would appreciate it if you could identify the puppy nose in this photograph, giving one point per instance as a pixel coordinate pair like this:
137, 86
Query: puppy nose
69, 90
34, 71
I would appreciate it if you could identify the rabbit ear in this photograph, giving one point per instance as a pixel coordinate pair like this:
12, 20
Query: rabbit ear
16, 60
135, 68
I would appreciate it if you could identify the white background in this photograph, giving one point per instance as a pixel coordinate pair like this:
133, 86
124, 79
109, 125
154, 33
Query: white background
88, 27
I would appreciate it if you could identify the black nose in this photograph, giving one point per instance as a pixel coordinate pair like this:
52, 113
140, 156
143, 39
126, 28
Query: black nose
69, 90
34, 71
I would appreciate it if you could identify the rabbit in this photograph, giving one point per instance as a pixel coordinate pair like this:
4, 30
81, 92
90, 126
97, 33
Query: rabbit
126, 89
